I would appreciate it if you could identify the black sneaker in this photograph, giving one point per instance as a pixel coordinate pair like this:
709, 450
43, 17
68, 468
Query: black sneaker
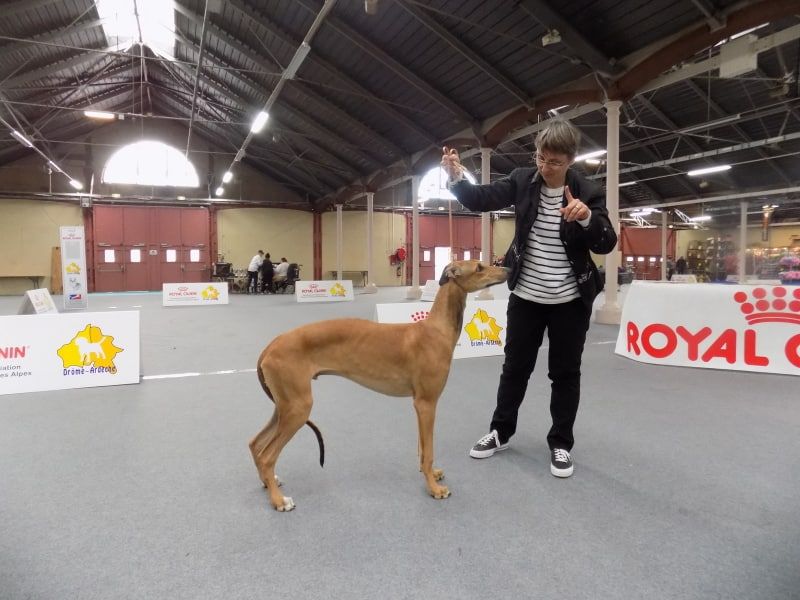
560, 462
487, 445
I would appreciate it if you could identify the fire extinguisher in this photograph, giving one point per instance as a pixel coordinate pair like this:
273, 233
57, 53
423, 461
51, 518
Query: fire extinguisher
399, 256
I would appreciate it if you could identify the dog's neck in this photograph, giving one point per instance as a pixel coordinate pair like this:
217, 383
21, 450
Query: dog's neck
448, 309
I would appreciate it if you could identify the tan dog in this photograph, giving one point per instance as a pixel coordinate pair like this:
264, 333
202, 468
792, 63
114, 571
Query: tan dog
398, 360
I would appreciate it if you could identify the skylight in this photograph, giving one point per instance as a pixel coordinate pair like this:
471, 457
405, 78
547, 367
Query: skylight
434, 185
150, 163
156, 20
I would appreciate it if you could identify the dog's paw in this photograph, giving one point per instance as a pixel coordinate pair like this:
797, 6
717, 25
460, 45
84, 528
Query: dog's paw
440, 493
438, 474
288, 504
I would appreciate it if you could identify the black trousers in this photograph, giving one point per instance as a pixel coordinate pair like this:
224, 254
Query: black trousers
566, 326
252, 281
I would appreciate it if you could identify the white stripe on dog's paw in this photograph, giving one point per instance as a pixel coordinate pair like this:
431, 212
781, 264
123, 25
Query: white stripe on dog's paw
288, 504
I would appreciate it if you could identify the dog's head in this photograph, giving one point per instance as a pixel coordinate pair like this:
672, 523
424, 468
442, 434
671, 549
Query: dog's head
472, 275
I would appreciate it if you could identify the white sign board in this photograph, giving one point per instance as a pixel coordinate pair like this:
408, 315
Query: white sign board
73, 267
430, 290
483, 332
677, 278
37, 302
324, 291
68, 350
736, 327
194, 294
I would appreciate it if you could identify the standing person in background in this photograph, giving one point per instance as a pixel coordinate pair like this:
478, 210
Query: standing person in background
680, 266
252, 271
560, 217
267, 272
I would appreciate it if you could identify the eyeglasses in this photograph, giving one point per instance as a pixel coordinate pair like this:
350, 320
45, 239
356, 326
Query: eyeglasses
541, 160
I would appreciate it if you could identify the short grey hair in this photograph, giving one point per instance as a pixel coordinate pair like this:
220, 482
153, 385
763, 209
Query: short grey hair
561, 137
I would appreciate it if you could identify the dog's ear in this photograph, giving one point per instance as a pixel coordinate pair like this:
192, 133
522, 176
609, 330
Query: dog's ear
451, 271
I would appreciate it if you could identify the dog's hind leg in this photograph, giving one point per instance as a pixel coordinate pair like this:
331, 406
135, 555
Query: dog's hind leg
291, 417
259, 442
426, 415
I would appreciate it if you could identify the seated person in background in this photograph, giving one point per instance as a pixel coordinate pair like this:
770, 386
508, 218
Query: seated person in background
267, 272
252, 271
281, 271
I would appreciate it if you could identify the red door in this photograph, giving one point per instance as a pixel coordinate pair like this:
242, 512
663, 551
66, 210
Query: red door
140, 248
135, 234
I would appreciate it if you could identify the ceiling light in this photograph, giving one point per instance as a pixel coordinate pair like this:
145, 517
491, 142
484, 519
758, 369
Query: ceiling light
592, 161
99, 114
297, 60
708, 170
115, 195
551, 37
701, 218
21, 138
76, 184
711, 124
54, 166
181, 197
259, 122
239, 155
627, 183
593, 154
227, 177
219, 191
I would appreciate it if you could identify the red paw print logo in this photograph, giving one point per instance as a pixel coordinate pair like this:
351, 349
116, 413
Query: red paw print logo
758, 307
420, 315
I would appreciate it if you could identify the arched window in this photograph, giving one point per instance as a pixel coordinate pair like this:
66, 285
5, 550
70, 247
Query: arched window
150, 163
434, 185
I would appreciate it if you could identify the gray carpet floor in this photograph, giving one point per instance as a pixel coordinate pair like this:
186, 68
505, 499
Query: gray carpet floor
686, 485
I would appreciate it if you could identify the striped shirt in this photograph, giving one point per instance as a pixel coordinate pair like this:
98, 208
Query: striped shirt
546, 275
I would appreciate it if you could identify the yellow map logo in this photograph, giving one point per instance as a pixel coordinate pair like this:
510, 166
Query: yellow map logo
337, 289
73, 269
90, 348
210, 293
482, 327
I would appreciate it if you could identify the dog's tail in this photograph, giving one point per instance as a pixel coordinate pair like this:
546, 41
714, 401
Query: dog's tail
310, 423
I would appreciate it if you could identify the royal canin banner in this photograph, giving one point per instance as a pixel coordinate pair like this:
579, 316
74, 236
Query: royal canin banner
68, 350
738, 327
483, 331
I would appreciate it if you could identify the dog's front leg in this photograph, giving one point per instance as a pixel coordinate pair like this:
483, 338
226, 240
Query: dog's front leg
426, 415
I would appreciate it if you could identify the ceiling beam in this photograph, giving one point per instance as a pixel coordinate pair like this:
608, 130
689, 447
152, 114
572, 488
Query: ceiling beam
380, 55
211, 134
742, 133
468, 53
54, 69
571, 37
261, 20
341, 115
50, 36
10, 9
320, 130
714, 17
243, 103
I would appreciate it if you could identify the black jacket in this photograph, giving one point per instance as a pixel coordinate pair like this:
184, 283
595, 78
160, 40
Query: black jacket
521, 188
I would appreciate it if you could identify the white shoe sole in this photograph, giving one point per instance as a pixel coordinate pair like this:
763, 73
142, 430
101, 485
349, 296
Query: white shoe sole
486, 453
561, 472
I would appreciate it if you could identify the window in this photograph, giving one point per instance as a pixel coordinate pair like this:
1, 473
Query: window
467, 254
194, 255
136, 255
426, 256
434, 185
150, 163
109, 255
172, 255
